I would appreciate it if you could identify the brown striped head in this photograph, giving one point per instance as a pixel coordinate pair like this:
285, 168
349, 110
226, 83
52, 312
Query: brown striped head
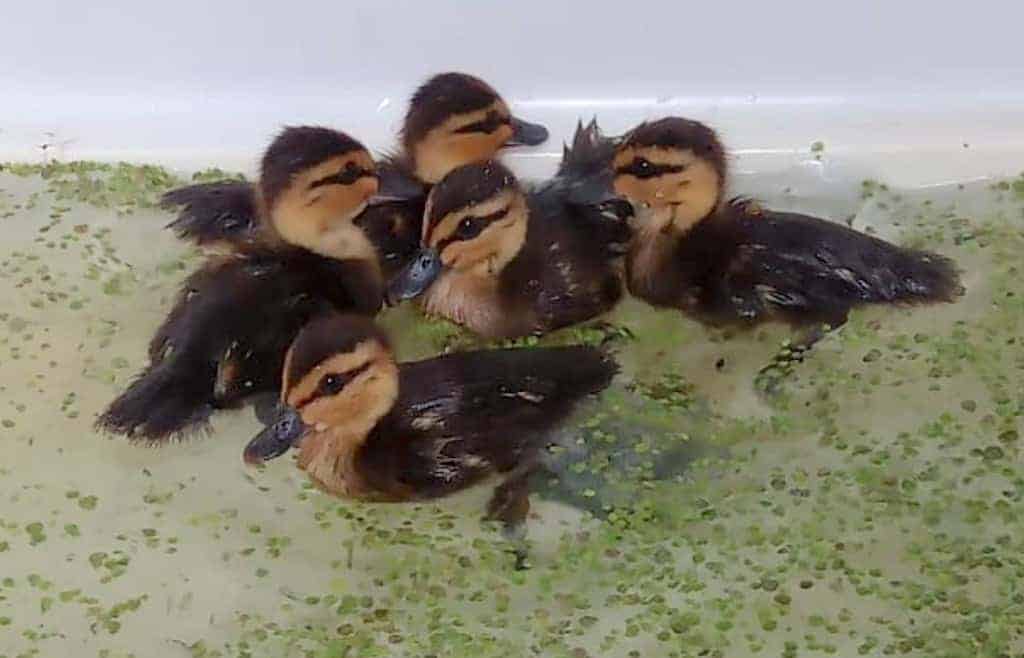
475, 222
314, 182
339, 379
456, 119
673, 168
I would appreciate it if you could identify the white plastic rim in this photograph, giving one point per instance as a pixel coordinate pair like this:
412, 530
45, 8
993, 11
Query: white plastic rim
912, 92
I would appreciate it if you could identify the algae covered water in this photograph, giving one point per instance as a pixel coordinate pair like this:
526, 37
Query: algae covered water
864, 502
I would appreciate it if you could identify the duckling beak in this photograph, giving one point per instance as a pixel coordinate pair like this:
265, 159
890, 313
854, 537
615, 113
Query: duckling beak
525, 133
381, 199
415, 277
277, 438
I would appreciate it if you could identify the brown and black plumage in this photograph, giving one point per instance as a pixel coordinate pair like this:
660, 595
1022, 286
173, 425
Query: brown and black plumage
226, 336
505, 263
367, 427
453, 119
583, 185
733, 262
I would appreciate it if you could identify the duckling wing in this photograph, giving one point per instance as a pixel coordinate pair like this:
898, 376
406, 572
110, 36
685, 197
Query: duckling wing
813, 267
221, 212
461, 416
568, 269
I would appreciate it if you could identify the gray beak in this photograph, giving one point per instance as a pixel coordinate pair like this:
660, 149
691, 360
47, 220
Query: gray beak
380, 199
277, 438
525, 133
415, 277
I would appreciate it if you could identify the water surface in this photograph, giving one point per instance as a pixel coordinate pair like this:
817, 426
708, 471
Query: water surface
866, 502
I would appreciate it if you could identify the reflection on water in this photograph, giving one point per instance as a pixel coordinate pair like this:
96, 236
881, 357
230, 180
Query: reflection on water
870, 505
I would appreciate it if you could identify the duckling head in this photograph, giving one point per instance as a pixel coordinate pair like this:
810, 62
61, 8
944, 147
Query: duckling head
456, 119
474, 223
672, 171
314, 183
339, 379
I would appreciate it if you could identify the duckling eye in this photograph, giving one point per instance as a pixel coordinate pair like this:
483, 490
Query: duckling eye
331, 384
643, 168
492, 122
469, 228
350, 174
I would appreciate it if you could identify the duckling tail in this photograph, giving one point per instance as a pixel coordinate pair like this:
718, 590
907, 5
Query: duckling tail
224, 211
926, 277
166, 401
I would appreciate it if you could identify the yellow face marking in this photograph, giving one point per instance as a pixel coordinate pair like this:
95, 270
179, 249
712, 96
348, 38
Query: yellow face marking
450, 222
341, 363
443, 149
676, 200
319, 218
340, 423
490, 251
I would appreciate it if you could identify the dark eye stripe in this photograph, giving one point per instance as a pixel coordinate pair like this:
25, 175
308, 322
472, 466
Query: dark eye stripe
493, 121
650, 170
344, 378
346, 176
479, 223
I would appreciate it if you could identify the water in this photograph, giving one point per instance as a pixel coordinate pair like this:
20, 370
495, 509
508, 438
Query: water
868, 505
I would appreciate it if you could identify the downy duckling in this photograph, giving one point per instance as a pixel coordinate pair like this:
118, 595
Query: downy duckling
372, 429
584, 183
504, 263
226, 336
453, 119
733, 262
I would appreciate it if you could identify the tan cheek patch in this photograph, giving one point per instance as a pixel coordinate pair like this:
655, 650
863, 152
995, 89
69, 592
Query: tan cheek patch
346, 242
693, 186
335, 204
443, 149
447, 226
495, 246
307, 384
302, 214
477, 147
467, 253
654, 154
629, 188
365, 398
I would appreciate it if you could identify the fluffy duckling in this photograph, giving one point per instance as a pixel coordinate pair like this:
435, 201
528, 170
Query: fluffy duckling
453, 119
733, 262
369, 428
226, 336
504, 263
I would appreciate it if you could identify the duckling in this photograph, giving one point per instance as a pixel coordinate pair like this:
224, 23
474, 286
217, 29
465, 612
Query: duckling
369, 428
733, 262
226, 336
504, 263
584, 182
453, 119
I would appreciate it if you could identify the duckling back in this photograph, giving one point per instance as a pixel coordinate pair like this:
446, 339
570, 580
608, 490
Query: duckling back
461, 416
226, 337
567, 271
809, 268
